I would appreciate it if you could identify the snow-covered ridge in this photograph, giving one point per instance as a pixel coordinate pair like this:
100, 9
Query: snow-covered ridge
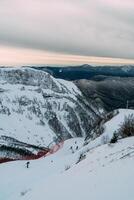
32, 77
38, 109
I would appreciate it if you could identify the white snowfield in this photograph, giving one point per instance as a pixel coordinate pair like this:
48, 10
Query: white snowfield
113, 125
110, 127
105, 173
25, 104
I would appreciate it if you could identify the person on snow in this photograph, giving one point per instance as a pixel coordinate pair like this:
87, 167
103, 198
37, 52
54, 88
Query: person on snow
27, 164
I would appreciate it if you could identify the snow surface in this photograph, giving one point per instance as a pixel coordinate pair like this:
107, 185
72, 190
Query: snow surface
109, 128
22, 123
113, 125
106, 173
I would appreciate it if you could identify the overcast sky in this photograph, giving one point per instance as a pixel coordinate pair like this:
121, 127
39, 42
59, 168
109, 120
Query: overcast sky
66, 31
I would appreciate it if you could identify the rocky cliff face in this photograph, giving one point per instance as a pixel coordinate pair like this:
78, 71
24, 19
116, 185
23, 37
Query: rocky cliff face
38, 109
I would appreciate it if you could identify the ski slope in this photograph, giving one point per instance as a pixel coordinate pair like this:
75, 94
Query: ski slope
106, 173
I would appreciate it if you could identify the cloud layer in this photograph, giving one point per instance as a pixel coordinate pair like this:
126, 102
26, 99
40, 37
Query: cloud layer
102, 28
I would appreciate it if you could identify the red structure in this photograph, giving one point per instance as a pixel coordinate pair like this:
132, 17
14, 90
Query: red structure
42, 153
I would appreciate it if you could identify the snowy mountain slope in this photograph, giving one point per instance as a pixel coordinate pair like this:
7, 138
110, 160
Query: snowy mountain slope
38, 109
77, 171
114, 124
109, 128
105, 173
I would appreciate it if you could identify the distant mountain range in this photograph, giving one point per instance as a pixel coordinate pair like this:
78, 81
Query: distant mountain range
109, 86
88, 71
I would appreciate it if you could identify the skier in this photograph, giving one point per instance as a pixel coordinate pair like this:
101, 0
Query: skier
71, 148
27, 164
77, 148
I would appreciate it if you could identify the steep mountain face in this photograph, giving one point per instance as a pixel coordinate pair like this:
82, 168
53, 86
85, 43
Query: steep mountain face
37, 109
109, 92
